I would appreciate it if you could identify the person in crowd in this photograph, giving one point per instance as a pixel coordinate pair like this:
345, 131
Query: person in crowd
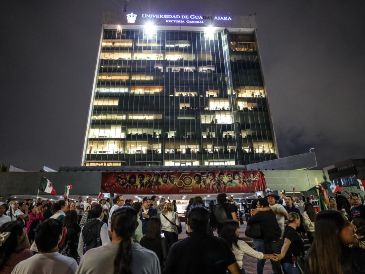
154, 240
14, 246
230, 233
343, 204
290, 207
46, 210
357, 208
118, 203
224, 211
269, 240
3, 217
14, 212
279, 210
174, 205
170, 221
309, 218
60, 208
138, 233
72, 236
48, 260
121, 255
329, 253
35, 217
293, 247
359, 232
95, 232
147, 212
161, 205
200, 253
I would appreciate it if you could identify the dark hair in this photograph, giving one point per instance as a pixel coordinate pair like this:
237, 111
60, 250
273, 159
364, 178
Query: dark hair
198, 219
56, 207
228, 233
308, 207
48, 234
137, 206
221, 198
10, 245
198, 200
71, 218
62, 203
116, 199
263, 202
95, 211
153, 229
292, 216
325, 255
124, 224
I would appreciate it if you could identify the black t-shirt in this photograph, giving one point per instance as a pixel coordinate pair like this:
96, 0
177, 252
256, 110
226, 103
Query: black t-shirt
358, 212
296, 247
199, 254
270, 229
154, 245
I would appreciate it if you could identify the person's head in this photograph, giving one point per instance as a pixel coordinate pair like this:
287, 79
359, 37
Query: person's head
63, 205
262, 202
168, 207
333, 203
331, 232
312, 214
355, 199
146, 203
48, 235
198, 200
95, 211
198, 219
11, 237
271, 199
153, 229
230, 232
2, 209
289, 201
71, 218
15, 205
72, 206
221, 198
119, 200
294, 219
123, 225
137, 206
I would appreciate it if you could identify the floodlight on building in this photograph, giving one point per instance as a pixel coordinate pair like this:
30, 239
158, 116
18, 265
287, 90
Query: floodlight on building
149, 30
209, 32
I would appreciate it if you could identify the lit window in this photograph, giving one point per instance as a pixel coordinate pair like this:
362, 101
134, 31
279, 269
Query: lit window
220, 163
241, 105
116, 56
142, 77
147, 43
228, 134
112, 131
125, 43
145, 116
185, 117
171, 134
248, 92
246, 132
207, 118
208, 134
206, 69
122, 77
106, 102
263, 147
136, 147
112, 89
181, 163
113, 117
89, 163
147, 55
145, 90
184, 105
177, 56
148, 131
105, 147
243, 46
188, 148
186, 93
180, 68
219, 104
177, 44
223, 118
212, 93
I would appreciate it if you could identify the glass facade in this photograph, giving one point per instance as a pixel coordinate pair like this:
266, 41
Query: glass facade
178, 98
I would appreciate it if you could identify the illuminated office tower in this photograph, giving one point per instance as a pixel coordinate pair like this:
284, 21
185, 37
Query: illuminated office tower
178, 96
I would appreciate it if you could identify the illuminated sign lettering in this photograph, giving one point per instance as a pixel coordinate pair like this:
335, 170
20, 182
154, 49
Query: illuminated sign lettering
178, 18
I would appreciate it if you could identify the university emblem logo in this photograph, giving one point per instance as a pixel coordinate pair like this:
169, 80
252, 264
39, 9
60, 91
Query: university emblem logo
131, 18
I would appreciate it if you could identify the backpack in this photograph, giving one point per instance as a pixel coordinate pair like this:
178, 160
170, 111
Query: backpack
220, 214
91, 234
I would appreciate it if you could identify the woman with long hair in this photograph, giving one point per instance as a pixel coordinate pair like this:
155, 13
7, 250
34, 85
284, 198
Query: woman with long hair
121, 256
14, 246
230, 233
154, 241
309, 218
329, 253
293, 247
169, 221
72, 236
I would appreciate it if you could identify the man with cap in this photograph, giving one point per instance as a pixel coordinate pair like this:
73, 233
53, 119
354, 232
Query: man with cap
279, 211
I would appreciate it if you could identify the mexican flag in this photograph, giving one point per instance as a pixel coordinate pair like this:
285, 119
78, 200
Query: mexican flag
47, 186
67, 190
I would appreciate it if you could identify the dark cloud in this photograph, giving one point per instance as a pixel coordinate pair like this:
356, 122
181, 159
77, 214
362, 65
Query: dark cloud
312, 54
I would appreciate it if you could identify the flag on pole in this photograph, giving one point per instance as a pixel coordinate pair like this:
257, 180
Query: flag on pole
47, 186
67, 190
100, 196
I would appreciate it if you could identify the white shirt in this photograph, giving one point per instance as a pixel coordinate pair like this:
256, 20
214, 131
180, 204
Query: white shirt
4, 219
279, 211
15, 214
114, 208
244, 249
46, 263
104, 237
166, 225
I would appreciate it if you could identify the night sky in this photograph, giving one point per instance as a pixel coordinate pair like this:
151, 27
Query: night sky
312, 52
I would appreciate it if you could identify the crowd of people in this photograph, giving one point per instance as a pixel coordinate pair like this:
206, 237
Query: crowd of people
126, 236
